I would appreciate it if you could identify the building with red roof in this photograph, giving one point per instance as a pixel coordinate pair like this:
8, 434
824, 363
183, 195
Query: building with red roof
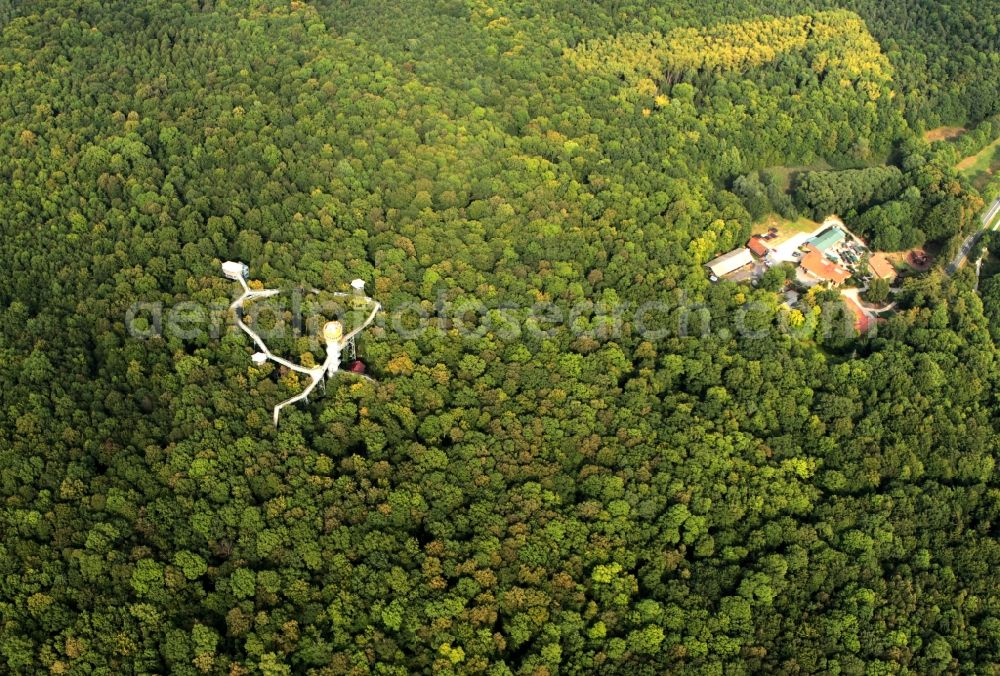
817, 265
881, 267
757, 245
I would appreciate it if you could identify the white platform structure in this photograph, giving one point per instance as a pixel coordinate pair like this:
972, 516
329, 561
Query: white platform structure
333, 333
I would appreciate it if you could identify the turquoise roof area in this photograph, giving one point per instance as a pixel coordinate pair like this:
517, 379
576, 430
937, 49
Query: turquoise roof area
827, 239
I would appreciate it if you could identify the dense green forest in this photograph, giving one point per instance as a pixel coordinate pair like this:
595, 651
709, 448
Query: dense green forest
723, 485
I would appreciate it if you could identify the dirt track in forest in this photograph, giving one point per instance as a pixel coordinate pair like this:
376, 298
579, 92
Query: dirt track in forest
943, 133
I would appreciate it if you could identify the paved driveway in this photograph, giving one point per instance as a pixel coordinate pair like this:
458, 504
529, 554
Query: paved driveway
805, 279
747, 273
783, 252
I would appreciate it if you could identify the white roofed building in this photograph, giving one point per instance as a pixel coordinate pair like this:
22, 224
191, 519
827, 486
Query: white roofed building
235, 270
729, 262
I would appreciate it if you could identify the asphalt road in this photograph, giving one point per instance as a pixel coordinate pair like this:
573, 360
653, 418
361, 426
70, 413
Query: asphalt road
971, 240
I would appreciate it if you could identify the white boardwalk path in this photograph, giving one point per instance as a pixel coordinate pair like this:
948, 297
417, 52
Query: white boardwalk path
329, 366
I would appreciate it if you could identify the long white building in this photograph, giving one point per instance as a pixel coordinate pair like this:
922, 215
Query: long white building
728, 262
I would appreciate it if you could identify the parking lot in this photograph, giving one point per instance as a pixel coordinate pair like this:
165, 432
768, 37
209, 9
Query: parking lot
788, 251
848, 254
748, 273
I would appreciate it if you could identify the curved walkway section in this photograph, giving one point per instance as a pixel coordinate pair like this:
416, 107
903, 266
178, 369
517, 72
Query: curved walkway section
329, 366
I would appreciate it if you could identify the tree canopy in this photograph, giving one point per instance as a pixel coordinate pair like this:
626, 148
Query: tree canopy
639, 472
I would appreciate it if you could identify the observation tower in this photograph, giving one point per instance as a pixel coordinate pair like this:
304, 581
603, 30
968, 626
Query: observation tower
333, 333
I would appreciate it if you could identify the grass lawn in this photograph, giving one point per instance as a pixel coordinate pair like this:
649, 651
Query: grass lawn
980, 167
785, 175
901, 260
785, 227
898, 262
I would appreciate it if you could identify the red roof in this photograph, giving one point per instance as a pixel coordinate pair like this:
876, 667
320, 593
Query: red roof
756, 244
862, 322
818, 266
881, 267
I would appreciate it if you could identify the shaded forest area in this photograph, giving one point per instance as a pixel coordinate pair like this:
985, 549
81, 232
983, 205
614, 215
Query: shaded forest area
568, 501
